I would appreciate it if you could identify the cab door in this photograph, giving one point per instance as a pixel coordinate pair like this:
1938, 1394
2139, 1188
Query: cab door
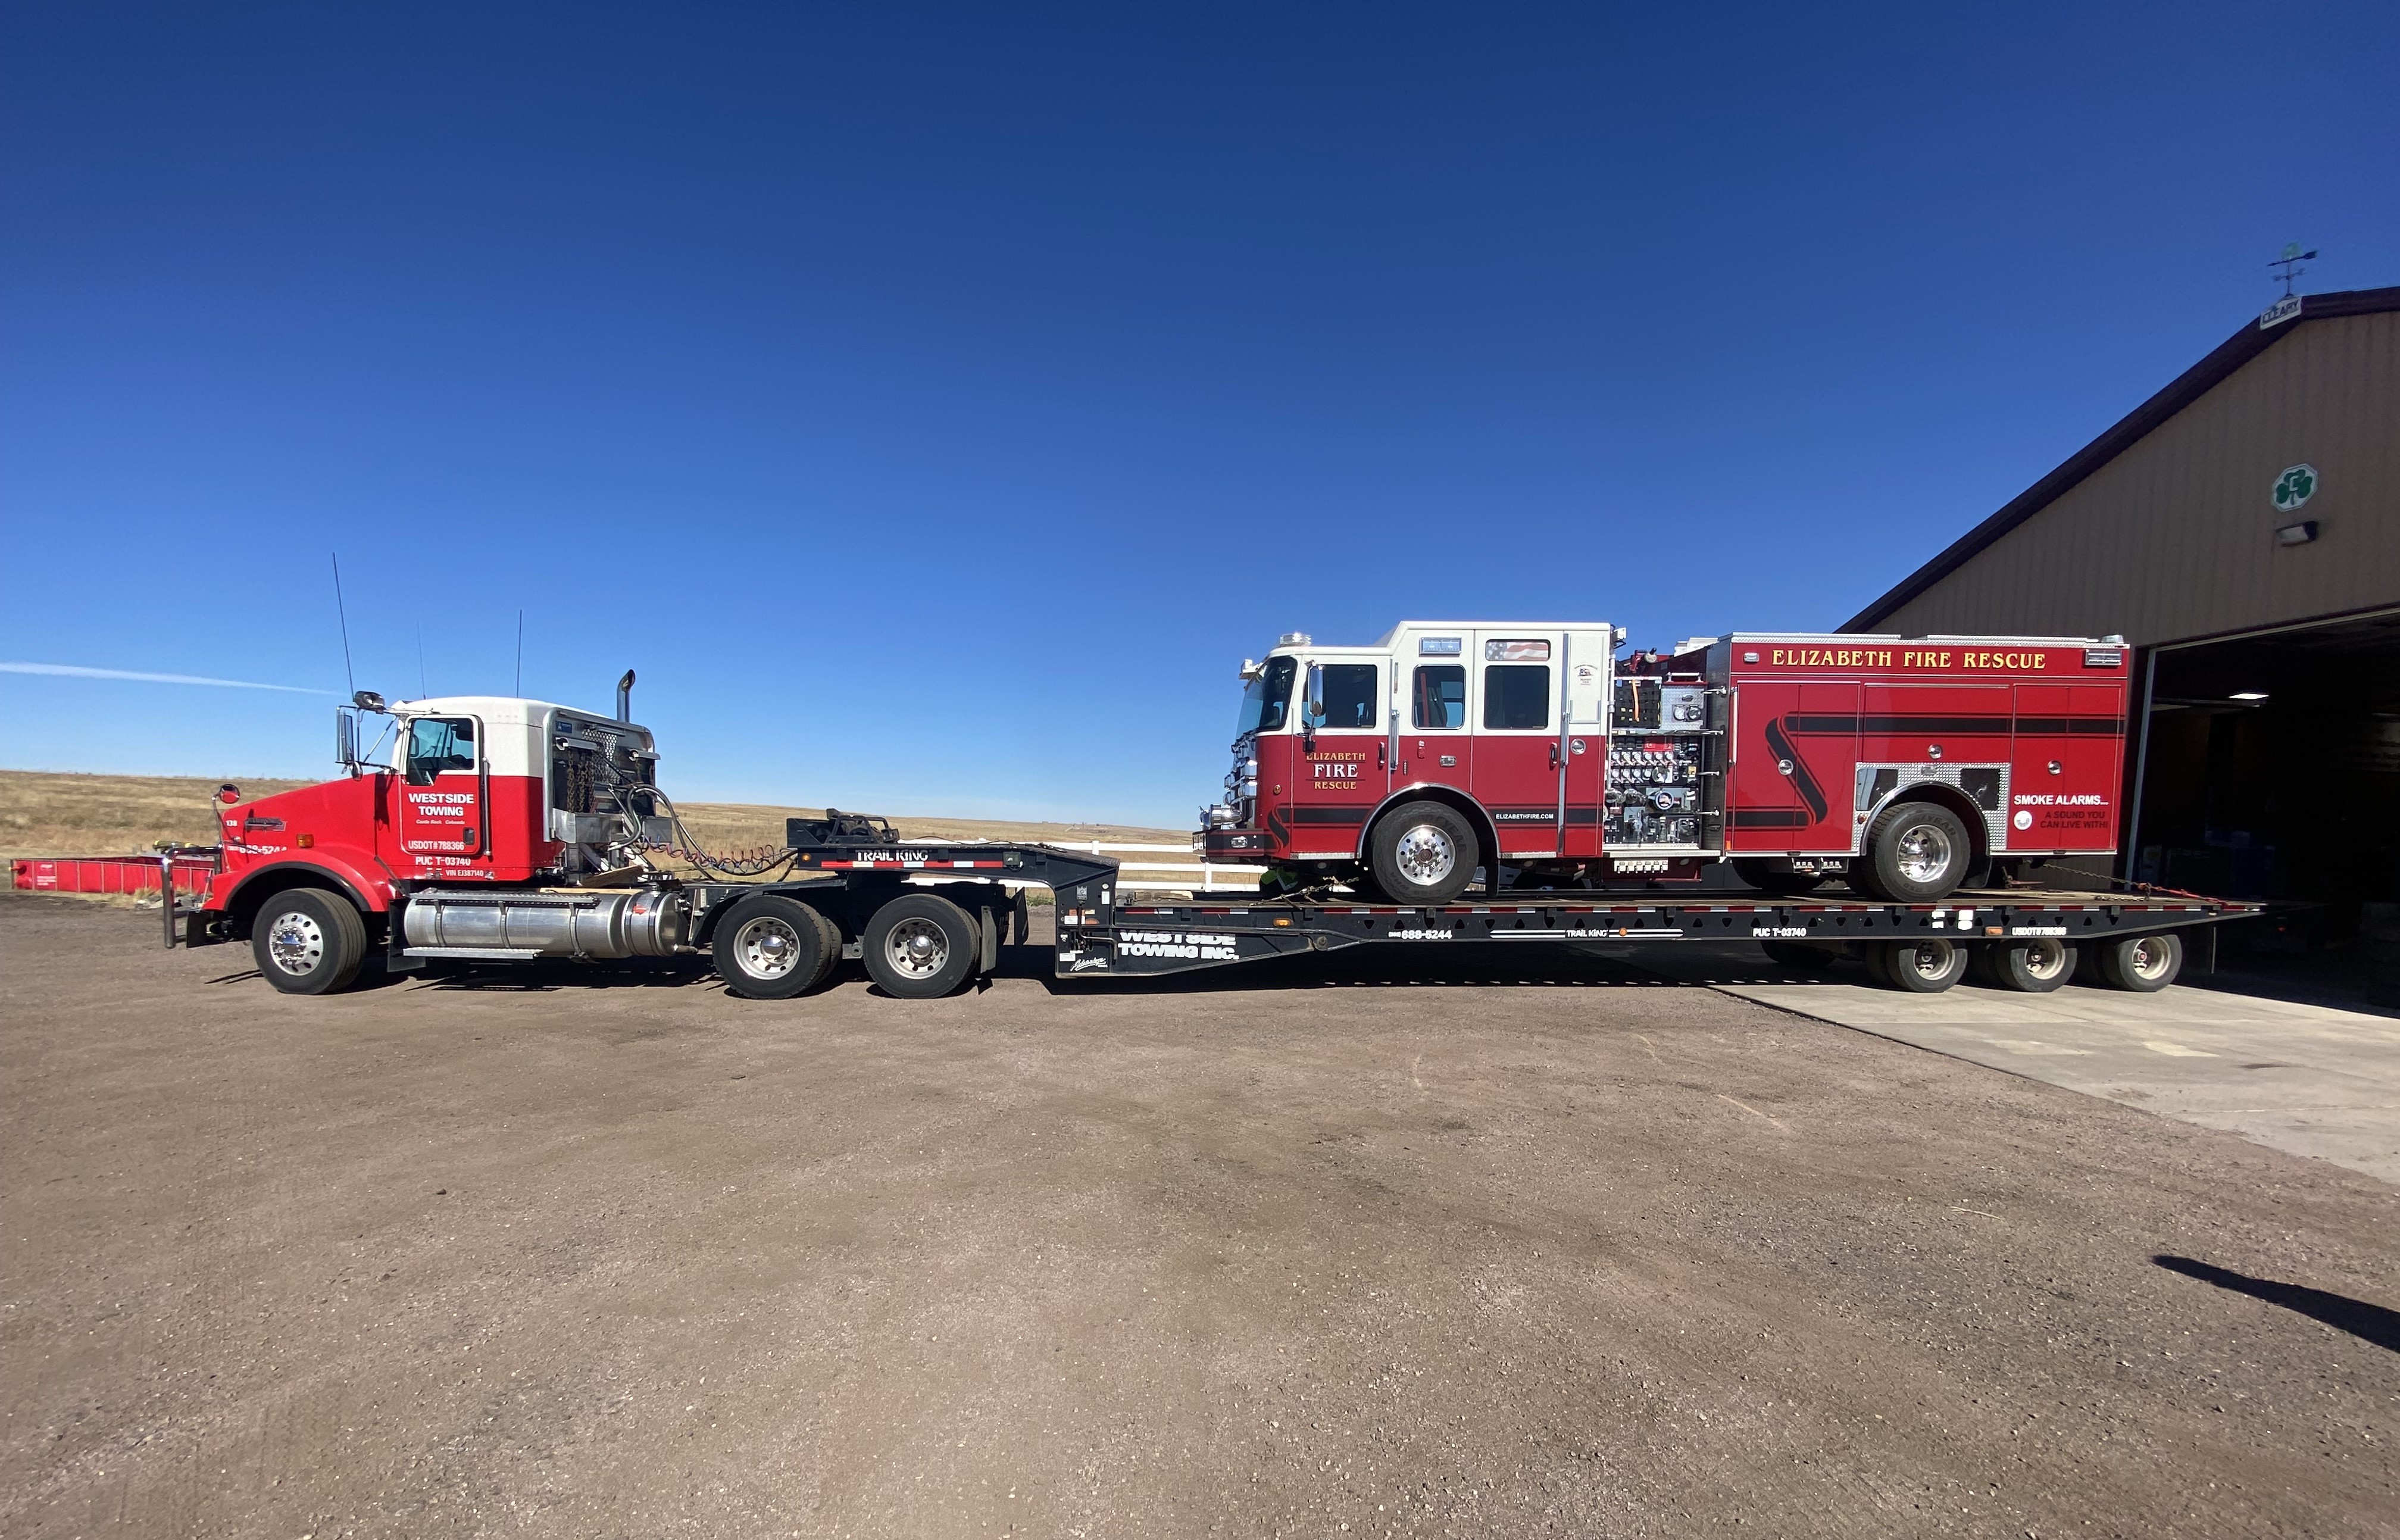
1518, 767
1344, 763
1436, 744
1588, 667
444, 797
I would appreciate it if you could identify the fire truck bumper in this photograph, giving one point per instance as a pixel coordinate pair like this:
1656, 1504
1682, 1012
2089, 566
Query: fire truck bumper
1233, 844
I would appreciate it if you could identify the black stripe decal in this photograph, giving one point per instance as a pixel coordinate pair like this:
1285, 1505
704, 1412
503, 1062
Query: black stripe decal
1802, 782
1352, 817
2061, 727
1770, 818
1815, 725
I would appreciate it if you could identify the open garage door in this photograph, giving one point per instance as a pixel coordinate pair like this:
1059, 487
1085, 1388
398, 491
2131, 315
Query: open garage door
2270, 769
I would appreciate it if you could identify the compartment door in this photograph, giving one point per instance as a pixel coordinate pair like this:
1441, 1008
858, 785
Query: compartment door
1795, 756
2064, 775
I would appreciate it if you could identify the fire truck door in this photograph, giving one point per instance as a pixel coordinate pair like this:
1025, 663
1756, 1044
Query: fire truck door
1795, 754
2062, 776
1345, 755
1588, 668
443, 825
1518, 767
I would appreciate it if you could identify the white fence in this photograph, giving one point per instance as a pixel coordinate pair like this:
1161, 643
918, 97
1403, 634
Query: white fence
1212, 877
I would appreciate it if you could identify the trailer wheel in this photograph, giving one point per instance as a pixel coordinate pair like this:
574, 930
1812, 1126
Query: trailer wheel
2142, 964
2033, 967
771, 947
1914, 851
921, 946
1799, 956
309, 941
1925, 967
1422, 853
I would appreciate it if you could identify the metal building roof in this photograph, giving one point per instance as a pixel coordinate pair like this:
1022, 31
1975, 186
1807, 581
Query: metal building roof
2231, 354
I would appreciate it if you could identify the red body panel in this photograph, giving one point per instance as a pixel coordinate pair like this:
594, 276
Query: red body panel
1821, 733
374, 829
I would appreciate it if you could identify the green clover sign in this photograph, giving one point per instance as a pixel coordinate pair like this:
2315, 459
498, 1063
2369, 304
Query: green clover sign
2294, 487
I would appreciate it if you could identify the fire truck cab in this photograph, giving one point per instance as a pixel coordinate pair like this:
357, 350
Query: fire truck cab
1446, 749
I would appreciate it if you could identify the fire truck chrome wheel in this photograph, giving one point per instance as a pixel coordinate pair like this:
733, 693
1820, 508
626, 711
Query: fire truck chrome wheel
1914, 853
308, 942
1425, 855
772, 947
2142, 964
921, 947
1422, 853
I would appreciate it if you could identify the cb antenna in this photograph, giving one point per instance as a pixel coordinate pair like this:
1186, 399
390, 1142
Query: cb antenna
2290, 263
342, 614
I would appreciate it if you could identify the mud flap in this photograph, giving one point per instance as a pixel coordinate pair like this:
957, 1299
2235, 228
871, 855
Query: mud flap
988, 919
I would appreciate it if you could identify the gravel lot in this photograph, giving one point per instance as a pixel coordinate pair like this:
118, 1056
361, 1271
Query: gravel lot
1359, 1250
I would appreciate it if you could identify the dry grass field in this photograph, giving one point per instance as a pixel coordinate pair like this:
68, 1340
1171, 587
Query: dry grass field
47, 814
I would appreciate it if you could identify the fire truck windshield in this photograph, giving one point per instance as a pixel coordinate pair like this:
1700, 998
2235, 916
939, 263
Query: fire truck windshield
1267, 699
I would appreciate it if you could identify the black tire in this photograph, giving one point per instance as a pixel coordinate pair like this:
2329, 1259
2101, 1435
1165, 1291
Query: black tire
1422, 853
2033, 967
921, 946
771, 947
1925, 967
1767, 879
2143, 963
309, 941
1914, 852
1798, 955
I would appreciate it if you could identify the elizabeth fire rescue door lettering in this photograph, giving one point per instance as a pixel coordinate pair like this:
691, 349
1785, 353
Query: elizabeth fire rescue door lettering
1336, 769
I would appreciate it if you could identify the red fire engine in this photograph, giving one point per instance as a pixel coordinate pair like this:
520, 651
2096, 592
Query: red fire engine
1908, 764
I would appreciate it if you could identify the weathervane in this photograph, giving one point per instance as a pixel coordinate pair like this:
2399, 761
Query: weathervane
2290, 263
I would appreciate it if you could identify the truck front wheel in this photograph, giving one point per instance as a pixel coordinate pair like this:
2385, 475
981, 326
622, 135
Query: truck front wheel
771, 947
1914, 852
921, 947
309, 941
1422, 853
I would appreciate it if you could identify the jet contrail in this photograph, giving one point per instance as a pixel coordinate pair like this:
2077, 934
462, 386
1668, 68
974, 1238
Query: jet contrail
73, 670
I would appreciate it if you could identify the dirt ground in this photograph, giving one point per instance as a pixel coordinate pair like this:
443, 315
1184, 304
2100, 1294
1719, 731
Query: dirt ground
1344, 1249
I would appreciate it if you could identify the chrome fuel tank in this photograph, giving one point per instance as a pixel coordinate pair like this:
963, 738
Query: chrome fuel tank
604, 923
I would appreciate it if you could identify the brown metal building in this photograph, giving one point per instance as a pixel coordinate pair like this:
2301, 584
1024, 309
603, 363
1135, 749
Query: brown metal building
2241, 529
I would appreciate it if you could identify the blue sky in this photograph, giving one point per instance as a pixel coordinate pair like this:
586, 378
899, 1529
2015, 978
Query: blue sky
934, 404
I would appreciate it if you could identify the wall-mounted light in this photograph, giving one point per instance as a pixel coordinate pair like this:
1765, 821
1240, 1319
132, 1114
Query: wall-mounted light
2247, 695
2297, 534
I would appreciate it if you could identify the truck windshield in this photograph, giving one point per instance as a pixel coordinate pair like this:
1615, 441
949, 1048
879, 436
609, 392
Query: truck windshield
1267, 700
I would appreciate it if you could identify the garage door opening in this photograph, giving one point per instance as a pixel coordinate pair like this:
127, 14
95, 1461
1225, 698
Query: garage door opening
2270, 769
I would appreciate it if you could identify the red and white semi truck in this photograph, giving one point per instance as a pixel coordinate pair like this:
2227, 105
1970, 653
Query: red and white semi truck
1907, 766
490, 830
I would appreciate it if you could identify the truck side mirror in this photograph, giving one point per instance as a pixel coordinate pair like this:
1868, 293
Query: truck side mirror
1312, 707
346, 737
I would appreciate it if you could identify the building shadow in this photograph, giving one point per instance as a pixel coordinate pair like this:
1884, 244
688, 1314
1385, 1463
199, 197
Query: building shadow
2369, 1323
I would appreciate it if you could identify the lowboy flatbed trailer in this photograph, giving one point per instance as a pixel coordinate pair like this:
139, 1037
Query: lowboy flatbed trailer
2020, 938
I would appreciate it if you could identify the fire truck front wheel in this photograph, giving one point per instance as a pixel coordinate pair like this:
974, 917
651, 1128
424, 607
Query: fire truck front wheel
1422, 853
309, 941
1914, 852
772, 948
921, 947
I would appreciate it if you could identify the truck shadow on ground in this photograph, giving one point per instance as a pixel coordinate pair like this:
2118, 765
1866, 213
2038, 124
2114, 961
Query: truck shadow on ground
2368, 1323
1467, 965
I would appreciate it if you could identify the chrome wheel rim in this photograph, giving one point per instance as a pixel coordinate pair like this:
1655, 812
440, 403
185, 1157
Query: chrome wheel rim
2148, 957
917, 948
2044, 960
1927, 959
1424, 855
767, 948
296, 942
1924, 854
